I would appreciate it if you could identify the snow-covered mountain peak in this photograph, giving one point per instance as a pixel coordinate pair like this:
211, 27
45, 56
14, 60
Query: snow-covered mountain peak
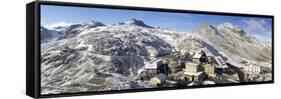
229, 27
137, 22
228, 24
59, 25
134, 21
94, 23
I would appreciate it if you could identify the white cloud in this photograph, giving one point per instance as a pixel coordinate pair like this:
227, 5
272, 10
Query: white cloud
258, 29
53, 25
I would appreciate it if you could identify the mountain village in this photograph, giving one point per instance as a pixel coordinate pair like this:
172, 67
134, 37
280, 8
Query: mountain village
132, 55
195, 68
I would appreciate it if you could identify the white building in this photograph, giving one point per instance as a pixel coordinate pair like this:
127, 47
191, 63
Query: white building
149, 70
153, 64
252, 69
191, 68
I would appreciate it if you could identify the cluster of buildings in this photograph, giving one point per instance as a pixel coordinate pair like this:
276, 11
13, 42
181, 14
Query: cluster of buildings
201, 66
198, 71
196, 67
155, 71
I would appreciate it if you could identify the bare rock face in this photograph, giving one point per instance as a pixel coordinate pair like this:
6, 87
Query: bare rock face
190, 44
234, 41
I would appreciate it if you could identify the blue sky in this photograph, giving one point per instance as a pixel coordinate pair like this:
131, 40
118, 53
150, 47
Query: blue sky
258, 27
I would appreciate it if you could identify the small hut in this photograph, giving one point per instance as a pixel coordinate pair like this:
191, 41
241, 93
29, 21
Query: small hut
158, 79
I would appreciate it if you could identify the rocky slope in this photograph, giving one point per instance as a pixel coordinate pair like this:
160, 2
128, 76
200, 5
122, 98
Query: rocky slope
228, 41
81, 56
